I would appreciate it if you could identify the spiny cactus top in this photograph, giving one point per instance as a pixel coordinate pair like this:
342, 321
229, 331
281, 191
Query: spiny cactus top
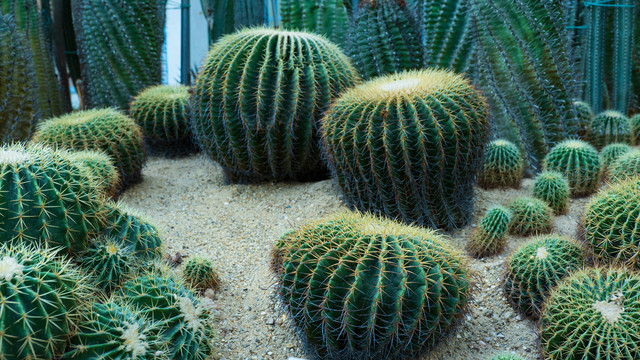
131, 228
626, 166
109, 261
635, 129
610, 153
326, 17
101, 167
343, 274
258, 101
408, 146
553, 188
609, 127
579, 162
502, 165
161, 111
489, 238
593, 314
199, 272
530, 216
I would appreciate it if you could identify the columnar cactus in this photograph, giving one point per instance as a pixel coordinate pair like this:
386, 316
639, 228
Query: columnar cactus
257, 103
530, 216
584, 116
610, 153
326, 17
226, 16
635, 129
109, 261
609, 127
199, 272
343, 274
502, 165
490, 236
161, 111
593, 315
127, 226
626, 166
579, 162
101, 167
536, 267
418, 166
553, 188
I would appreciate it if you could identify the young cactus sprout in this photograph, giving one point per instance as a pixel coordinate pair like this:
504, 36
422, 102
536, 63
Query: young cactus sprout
490, 236
199, 272
553, 188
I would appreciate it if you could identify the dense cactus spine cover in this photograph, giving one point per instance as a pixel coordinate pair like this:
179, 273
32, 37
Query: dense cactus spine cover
199, 272
579, 162
530, 216
343, 274
100, 167
161, 111
609, 127
393, 153
109, 261
226, 16
502, 165
326, 17
553, 188
610, 153
626, 166
258, 100
490, 236
584, 116
634, 121
134, 231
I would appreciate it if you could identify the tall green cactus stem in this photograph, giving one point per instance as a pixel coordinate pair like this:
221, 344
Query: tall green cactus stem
120, 48
579, 162
530, 216
536, 267
384, 38
132, 229
258, 101
626, 166
40, 297
161, 111
109, 261
634, 121
325, 17
594, 54
227, 16
623, 43
610, 153
553, 188
584, 116
609, 127
502, 165
490, 237
101, 167
593, 315
343, 274
199, 272
409, 146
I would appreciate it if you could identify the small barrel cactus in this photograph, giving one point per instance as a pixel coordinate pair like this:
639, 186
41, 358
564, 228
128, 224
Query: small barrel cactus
502, 165
343, 274
490, 237
101, 167
530, 216
109, 261
609, 127
635, 129
161, 111
553, 188
584, 116
593, 314
536, 267
626, 166
199, 272
610, 153
105, 129
258, 101
418, 166
579, 162
129, 227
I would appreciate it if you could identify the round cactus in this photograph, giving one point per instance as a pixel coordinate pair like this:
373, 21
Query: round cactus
343, 274
258, 101
536, 267
417, 165
609, 127
610, 153
99, 166
553, 188
105, 129
109, 261
593, 314
584, 116
579, 162
530, 216
130, 228
635, 129
40, 297
490, 237
199, 272
161, 111
626, 166
502, 165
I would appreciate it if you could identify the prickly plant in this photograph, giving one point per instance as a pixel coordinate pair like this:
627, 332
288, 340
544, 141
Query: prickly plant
609, 127
342, 274
326, 17
109, 261
634, 121
227, 16
626, 166
199, 272
553, 188
131, 228
101, 167
584, 116
610, 153
489, 238
579, 162
502, 165
419, 165
530, 216
161, 111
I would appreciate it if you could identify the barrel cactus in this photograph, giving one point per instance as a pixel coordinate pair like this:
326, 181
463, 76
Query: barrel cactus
584, 116
161, 111
536, 267
99, 166
626, 166
609, 127
342, 274
109, 261
418, 166
553, 188
131, 228
199, 272
593, 315
258, 101
530, 216
502, 165
106, 129
327, 17
579, 162
610, 153
635, 129
490, 237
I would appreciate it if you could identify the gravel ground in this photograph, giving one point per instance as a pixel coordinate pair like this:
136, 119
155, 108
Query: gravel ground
237, 225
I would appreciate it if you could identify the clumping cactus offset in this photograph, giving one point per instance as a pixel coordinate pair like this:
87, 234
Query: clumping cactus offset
418, 166
161, 111
199, 272
609, 127
259, 98
635, 129
101, 167
579, 162
327, 17
593, 314
502, 165
553, 188
109, 261
490, 236
530, 216
584, 116
344, 273
536, 267
610, 153
132, 229
626, 166
106, 129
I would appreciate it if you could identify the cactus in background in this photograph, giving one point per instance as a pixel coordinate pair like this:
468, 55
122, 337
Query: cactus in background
609, 127
100, 167
109, 261
634, 121
579, 162
553, 188
326, 17
342, 274
135, 232
502, 165
626, 166
120, 48
418, 166
490, 237
199, 272
594, 311
259, 99
161, 111
536, 267
584, 116
610, 153
227, 16
530, 216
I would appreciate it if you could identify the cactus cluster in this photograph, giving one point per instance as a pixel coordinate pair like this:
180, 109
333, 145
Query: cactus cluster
553, 188
584, 116
626, 166
609, 127
199, 272
343, 274
326, 17
579, 162
634, 121
418, 166
134, 231
161, 111
610, 153
530, 216
490, 236
99, 166
502, 165
109, 261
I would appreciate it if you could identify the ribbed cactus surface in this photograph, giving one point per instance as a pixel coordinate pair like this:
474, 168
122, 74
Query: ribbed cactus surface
109, 261
134, 231
584, 115
635, 128
489, 238
553, 188
502, 165
610, 153
227, 16
626, 166
609, 127
326, 17
579, 162
161, 111
530, 216
199, 272
101, 167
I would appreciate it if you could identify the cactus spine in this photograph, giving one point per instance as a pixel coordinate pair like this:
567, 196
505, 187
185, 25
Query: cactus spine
490, 237
99, 166
584, 116
325, 17
109, 261
609, 127
226, 16
140, 235
579, 162
161, 111
610, 153
199, 272
502, 165
626, 166
530, 216
553, 188
635, 129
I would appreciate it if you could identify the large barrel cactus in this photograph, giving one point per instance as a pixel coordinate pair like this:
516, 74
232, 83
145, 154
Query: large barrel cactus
130, 228
327, 17
409, 146
367, 288
259, 99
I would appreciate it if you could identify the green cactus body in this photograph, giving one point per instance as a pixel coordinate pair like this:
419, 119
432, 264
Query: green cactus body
344, 274
502, 165
553, 188
530, 216
609, 127
536, 267
610, 153
199, 272
107, 130
490, 237
579, 162
384, 38
161, 111
40, 297
397, 148
584, 116
634, 121
626, 166
109, 261
101, 167
130, 228
227, 16
593, 315
326, 17
258, 101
